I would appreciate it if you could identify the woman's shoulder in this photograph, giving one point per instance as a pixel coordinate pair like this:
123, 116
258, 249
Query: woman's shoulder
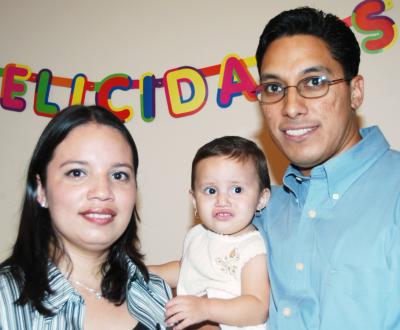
155, 289
157, 283
5, 271
154, 283
9, 289
8, 281
146, 299
11, 314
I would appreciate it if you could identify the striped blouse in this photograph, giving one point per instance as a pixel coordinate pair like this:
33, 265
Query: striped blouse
145, 302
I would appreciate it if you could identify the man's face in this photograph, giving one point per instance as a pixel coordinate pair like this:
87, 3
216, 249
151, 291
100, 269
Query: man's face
310, 131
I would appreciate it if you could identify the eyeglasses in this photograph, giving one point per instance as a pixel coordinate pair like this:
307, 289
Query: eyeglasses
309, 88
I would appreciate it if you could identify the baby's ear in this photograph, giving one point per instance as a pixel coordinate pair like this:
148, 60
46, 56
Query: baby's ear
40, 193
263, 199
191, 192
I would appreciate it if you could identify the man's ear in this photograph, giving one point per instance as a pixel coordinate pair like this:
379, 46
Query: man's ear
357, 92
263, 199
40, 193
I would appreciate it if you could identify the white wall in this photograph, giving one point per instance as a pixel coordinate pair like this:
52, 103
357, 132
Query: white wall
99, 37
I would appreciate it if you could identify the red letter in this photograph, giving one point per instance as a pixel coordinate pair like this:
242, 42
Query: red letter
382, 29
12, 86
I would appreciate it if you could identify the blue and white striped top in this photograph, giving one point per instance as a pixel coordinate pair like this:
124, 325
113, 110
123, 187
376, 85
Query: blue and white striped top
145, 302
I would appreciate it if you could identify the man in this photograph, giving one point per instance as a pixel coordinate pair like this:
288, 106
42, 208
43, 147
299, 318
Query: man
332, 229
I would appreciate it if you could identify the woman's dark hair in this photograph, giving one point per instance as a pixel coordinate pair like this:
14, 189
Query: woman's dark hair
234, 147
31, 252
338, 37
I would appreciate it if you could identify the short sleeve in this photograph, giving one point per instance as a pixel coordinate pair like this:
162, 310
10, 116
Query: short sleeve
253, 246
191, 234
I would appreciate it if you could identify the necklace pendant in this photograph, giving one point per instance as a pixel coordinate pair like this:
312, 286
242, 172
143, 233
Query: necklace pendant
96, 293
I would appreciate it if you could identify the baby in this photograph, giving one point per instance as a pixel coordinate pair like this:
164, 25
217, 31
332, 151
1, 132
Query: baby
222, 276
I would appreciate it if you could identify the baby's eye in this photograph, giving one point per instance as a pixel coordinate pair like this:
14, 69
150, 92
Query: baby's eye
75, 172
236, 189
210, 190
120, 176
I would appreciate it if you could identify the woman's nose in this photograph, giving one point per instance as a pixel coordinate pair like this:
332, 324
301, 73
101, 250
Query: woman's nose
100, 188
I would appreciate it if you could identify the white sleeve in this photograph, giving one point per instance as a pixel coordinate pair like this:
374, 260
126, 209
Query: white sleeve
251, 248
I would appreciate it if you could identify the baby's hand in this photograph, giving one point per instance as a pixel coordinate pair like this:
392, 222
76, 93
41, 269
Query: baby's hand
183, 311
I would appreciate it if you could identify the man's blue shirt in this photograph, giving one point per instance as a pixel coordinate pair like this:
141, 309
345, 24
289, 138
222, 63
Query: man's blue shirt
334, 242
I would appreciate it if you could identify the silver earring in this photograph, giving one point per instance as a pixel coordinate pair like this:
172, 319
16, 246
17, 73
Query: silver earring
257, 213
43, 204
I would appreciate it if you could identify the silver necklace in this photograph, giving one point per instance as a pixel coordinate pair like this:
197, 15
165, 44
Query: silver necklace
97, 294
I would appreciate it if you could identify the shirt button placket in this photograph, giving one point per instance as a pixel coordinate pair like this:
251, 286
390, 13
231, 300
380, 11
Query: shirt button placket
312, 214
286, 312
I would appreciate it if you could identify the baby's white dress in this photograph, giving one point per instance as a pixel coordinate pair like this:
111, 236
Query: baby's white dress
212, 264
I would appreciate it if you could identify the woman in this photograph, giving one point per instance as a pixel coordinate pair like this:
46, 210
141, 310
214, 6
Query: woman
76, 262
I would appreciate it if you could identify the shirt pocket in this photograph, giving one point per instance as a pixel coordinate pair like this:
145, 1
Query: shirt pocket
359, 298
362, 282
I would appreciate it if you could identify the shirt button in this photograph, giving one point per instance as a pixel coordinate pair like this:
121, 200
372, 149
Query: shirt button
299, 266
335, 196
312, 214
286, 312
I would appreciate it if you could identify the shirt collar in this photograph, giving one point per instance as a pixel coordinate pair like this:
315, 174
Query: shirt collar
134, 274
62, 290
337, 170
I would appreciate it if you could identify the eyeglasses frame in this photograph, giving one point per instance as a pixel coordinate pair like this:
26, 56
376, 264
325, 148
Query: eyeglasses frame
329, 83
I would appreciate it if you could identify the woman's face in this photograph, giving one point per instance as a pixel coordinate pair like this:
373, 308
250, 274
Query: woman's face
91, 188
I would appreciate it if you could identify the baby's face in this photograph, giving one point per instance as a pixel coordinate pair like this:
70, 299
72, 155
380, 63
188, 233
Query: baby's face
226, 194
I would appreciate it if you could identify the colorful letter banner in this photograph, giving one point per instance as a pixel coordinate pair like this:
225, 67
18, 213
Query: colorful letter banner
186, 89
